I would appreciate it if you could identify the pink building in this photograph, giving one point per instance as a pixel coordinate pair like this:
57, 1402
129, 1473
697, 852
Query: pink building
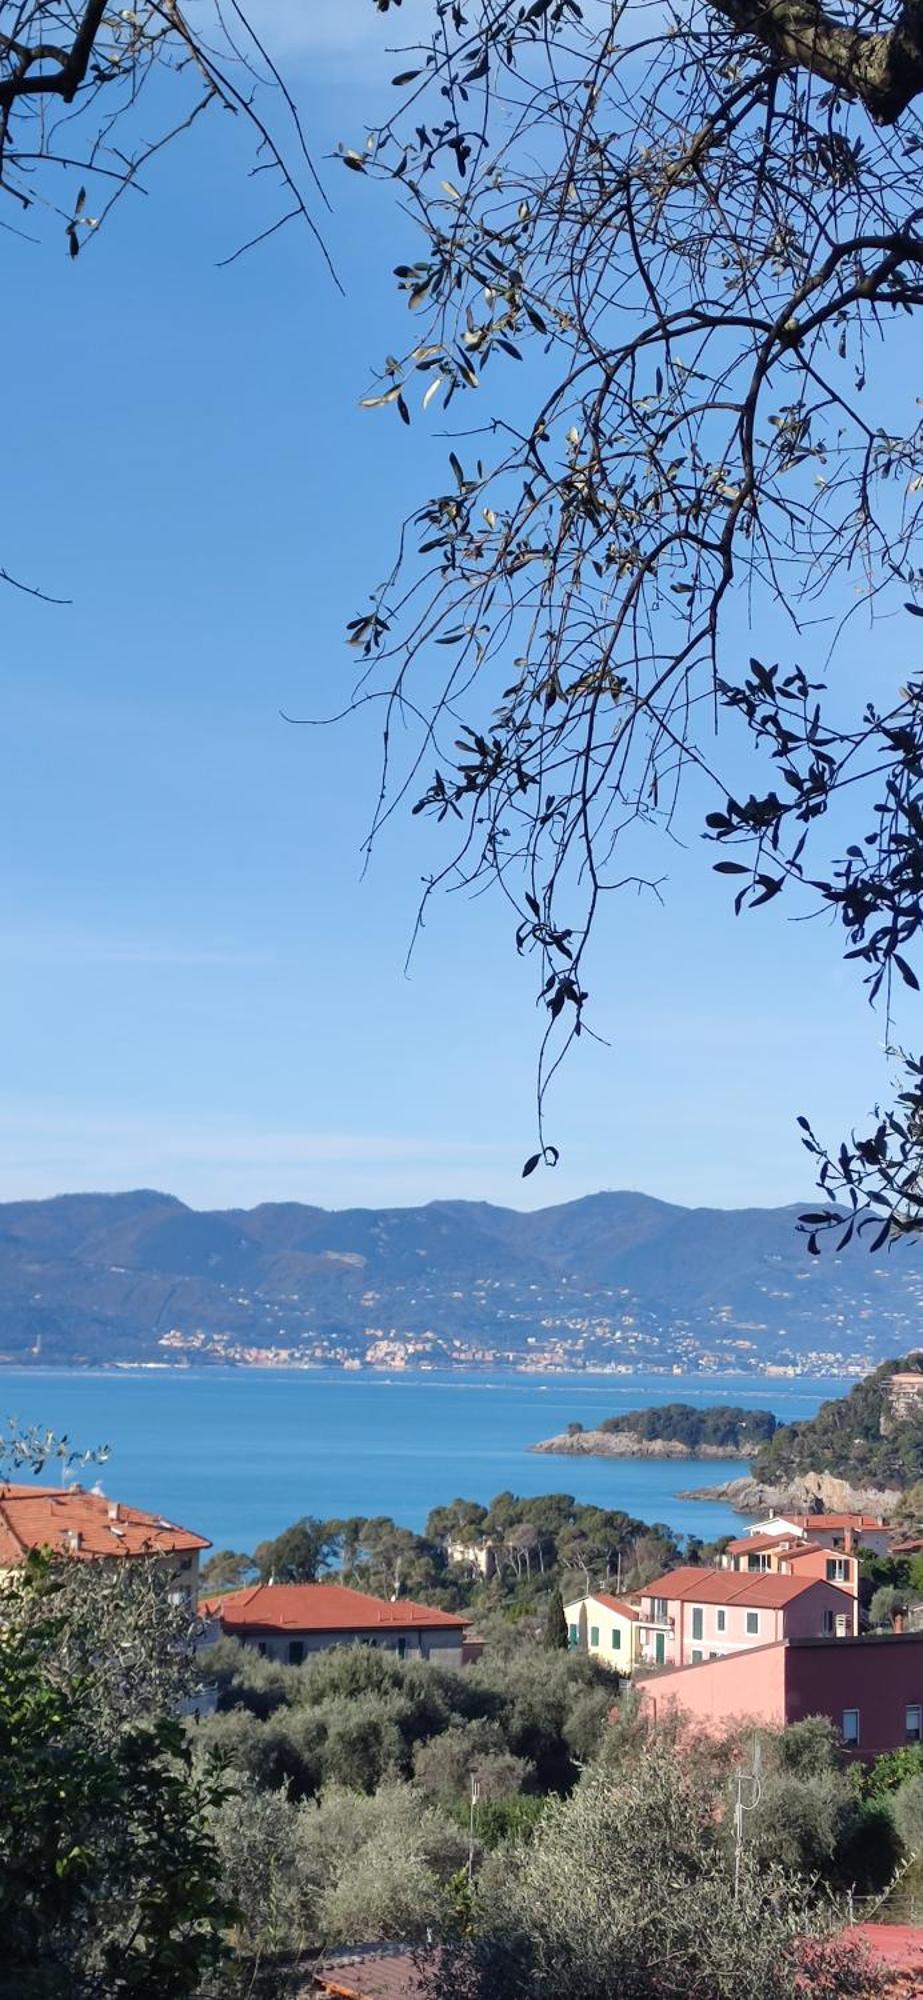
789, 1555
692, 1615
871, 1689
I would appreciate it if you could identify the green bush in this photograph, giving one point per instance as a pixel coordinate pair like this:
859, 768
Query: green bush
109, 1876
628, 1890
894, 1768
907, 1807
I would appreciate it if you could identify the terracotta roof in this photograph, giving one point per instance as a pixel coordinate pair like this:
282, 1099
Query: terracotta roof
729, 1586
745, 1545
321, 1607
857, 1521
616, 1604
794, 1546
796, 1551
69, 1520
373, 1973
897, 1945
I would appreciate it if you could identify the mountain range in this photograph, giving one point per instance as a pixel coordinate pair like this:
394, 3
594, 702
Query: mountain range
614, 1276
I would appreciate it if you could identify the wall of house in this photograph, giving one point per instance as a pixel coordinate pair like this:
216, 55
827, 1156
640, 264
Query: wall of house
615, 1641
442, 1644
785, 1683
813, 1562
725, 1628
750, 1684
180, 1571
880, 1676
734, 1638
804, 1617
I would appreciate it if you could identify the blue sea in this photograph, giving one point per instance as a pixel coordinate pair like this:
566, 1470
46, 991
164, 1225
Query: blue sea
237, 1454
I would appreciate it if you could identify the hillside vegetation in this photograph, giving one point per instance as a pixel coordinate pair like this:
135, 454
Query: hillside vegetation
681, 1423
856, 1437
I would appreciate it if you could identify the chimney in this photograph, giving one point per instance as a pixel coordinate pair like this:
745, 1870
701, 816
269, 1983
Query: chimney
73, 1540
113, 1510
899, 1621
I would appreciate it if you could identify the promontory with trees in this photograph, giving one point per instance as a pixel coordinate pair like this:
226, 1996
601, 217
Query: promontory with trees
869, 1441
672, 1430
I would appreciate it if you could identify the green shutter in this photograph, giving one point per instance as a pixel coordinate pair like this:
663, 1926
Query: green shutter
616, 1639
594, 1635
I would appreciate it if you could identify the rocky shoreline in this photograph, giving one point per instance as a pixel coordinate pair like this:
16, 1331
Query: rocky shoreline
754, 1496
745, 1495
627, 1444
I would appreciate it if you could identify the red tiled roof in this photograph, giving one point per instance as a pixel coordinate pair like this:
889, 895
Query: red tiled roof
372, 1974
746, 1545
897, 1945
790, 1545
729, 1586
856, 1521
321, 1607
71, 1521
616, 1604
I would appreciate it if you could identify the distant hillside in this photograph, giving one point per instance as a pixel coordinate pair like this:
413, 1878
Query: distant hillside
870, 1437
614, 1278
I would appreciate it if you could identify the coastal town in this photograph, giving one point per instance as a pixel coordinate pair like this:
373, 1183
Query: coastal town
572, 1347
770, 1633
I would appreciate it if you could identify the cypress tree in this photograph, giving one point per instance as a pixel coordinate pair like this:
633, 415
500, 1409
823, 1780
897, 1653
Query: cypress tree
556, 1635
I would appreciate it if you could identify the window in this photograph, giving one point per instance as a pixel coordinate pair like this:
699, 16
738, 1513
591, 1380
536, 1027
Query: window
401, 1648
850, 1726
697, 1621
913, 1723
261, 1648
295, 1652
696, 1658
836, 1569
594, 1635
659, 1608
826, 1624
573, 1635
721, 1620
616, 1639
753, 1623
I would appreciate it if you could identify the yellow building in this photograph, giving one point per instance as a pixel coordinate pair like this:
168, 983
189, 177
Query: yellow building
605, 1627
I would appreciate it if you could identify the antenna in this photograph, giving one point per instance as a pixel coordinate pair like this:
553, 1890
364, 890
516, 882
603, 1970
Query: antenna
472, 1817
749, 1793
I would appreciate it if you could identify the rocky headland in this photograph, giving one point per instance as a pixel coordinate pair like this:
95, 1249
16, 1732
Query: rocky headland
799, 1495
627, 1444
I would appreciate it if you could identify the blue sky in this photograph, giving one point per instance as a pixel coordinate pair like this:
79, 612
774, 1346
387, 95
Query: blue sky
200, 992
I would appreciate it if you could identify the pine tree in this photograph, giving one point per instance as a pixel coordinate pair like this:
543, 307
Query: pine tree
556, 1635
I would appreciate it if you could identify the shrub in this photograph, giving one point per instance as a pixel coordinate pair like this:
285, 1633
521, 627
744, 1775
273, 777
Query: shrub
907, 1806
256, 1834
109, 1877
628, 1889
379, 1865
